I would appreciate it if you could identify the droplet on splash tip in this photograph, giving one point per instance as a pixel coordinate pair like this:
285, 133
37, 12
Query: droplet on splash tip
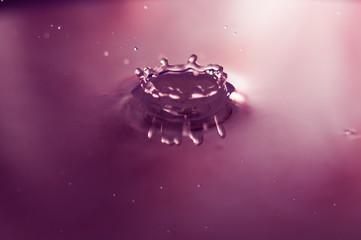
192, 58
164, 62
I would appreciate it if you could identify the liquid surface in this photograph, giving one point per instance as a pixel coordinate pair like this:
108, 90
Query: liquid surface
72, 166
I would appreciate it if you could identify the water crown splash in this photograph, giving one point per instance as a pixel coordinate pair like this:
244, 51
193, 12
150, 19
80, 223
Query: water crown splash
184, 100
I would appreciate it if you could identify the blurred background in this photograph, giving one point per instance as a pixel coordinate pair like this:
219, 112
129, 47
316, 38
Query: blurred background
73, 166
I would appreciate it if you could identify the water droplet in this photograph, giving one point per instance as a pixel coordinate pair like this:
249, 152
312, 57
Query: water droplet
70, 183
126, 61
205, 227
161, 187
51, 25
59, 27
242, 49
113, 194
294, 199
145, 7
349, 132
198, 185
334, 204
164, 62
133, 201
192, 58
168, 231
46, 35
225, 27
106, 53
135, 48
234, 33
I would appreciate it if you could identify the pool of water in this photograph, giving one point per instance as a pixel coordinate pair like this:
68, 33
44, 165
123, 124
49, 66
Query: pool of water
74, 165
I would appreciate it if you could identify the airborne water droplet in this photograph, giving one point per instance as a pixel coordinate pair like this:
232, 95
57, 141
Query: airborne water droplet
135, 48
349, 131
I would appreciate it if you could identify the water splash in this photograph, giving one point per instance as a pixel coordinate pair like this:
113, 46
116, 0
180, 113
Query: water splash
183, 100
